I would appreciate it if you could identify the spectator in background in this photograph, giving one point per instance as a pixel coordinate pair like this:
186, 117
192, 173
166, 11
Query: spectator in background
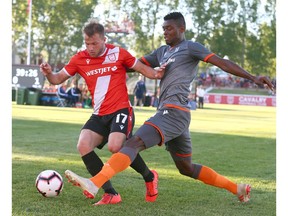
62, 92
75, 94
213, 79
48, 88
139, 92
192, 101
155, 99
200, 92
86, 97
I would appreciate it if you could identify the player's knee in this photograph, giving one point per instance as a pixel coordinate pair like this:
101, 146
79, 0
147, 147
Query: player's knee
113, 148
80, 146
83, 148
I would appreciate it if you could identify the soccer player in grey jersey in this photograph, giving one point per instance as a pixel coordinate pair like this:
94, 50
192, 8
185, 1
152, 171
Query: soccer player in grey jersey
170, 124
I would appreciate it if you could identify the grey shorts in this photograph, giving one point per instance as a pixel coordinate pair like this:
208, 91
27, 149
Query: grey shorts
170, 125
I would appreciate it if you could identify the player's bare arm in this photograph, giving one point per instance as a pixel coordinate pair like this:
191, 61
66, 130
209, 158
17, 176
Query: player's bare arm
53, 78
232, 68
149, 72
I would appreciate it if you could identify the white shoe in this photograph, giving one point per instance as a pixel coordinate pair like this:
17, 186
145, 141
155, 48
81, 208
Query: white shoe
89, 188
243, 192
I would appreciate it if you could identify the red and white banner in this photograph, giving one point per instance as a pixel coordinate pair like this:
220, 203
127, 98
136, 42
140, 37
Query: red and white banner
254, 100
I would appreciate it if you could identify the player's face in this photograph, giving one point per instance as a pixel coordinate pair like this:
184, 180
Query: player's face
95, 44
173, 34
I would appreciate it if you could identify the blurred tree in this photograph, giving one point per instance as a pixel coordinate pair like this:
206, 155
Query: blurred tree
230, 28
146, 15
237, 30
248, 14
56, 28
261, 50
226, 41
267, 37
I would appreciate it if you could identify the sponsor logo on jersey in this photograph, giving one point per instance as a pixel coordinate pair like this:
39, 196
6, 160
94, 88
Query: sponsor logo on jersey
121, 127
88, 61
170, 60
101, 71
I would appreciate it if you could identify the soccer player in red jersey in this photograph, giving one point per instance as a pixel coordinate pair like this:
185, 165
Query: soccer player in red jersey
103, 67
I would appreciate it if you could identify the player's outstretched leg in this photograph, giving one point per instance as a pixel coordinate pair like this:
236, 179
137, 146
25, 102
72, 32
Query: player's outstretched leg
210, 177
89, 188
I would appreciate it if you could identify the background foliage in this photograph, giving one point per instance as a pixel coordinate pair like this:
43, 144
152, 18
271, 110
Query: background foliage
242, 30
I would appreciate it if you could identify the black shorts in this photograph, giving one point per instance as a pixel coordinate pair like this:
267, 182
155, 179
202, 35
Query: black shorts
120, 121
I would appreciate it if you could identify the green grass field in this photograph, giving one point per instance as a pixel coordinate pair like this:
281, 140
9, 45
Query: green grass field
237, 141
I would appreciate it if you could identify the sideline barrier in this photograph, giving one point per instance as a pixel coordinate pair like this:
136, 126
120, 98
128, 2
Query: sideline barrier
254, 100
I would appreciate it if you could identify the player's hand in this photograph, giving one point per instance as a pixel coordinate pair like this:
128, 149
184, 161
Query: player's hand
159, 72
265, 82
45, 68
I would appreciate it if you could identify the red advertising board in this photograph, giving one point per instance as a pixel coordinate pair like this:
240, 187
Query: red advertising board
254, 100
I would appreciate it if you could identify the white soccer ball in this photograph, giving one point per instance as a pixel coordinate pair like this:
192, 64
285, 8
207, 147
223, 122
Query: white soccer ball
49, 183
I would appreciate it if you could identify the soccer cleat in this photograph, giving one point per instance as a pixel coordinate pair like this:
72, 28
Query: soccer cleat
89, 188
152, 188
243, 192
109, 199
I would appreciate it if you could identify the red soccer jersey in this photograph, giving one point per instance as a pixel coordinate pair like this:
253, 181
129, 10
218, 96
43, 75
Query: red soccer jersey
105, 77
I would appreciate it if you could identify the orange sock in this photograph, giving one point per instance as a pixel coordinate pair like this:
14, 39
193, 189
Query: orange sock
117, 163
209, 176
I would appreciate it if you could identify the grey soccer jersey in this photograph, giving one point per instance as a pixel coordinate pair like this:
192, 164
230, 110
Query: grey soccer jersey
182, 68
172, 118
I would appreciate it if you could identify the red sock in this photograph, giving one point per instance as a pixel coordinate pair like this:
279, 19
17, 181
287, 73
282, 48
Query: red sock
117, 163
209, 176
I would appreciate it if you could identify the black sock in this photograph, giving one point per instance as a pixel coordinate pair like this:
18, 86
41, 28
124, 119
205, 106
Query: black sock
139, 165
111, 191
92, 162
94, 165
149, 177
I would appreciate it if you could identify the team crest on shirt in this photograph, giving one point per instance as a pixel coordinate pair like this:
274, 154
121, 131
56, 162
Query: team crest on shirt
112, 57
88, 61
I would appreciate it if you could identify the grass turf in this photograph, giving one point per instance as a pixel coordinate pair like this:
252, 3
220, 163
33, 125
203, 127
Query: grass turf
236, 141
